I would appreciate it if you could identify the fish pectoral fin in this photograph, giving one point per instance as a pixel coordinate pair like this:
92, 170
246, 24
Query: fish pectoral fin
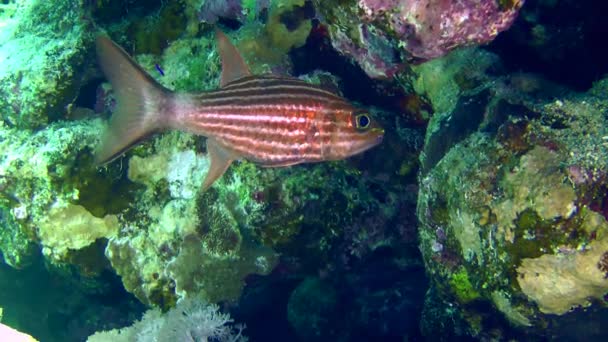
233, 65
220, 159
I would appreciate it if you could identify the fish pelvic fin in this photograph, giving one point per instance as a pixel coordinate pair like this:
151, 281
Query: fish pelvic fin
233, 64
220, 159
142, 104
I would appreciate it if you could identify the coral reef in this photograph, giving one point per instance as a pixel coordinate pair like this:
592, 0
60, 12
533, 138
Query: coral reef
490, 180
190, 320
212, 10
429, 29
44, 47
72, 228
164, 239
560, 282
375, 33
179, 244
265, 45
510, 208
37, 172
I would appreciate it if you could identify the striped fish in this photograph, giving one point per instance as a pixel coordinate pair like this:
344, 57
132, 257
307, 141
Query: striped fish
272, 121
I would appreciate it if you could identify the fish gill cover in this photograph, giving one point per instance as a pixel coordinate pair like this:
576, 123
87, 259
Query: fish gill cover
481, 215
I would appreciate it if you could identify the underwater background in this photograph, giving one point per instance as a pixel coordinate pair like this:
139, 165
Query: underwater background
481, 216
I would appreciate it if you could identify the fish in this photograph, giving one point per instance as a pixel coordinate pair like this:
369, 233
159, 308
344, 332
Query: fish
159, 69
272, 121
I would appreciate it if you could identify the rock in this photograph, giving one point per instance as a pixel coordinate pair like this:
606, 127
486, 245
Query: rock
377, 33
518, 212
44, 50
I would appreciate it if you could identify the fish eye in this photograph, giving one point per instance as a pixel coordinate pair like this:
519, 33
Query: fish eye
362, 121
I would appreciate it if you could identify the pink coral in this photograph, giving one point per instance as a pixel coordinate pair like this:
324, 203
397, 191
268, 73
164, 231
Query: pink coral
430, 28
375, 55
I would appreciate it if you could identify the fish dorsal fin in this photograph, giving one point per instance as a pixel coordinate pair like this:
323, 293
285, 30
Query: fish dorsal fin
233, 65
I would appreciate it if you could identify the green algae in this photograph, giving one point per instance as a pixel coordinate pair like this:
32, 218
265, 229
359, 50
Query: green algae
102, 191
153, 33
461, 285
217, 227
30, 173
18, 249
536, 199
44, 48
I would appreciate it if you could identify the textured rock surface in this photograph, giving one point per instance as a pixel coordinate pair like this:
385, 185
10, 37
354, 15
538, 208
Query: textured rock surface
375, 33
37, 172
44, 48
512, 214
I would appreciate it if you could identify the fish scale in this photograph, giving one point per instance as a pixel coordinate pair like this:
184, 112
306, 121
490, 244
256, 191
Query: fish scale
266, 132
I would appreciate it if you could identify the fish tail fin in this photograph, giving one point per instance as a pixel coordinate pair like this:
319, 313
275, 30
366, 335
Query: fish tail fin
143, 106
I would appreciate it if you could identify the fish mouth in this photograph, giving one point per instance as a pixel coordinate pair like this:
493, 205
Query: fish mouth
379, 136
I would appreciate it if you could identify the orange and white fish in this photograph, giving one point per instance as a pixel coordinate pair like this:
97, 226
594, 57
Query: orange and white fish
269, 120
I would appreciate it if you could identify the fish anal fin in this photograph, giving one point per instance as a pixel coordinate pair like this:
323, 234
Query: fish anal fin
233, 65
282, 164
220, 159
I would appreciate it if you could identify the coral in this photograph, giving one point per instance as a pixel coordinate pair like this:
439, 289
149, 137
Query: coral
13, 335
211, 10
44, 48
142, 220
190, 320
153, 33
462, 287
429, 29
602, 264
441, 80
72, 227
242, 10
518, 208
187, 64
7, 11
197, 270
17, 248
265, 46
36, 171
182, 244
143, 216
373, 33
367, 44
503, 304
561, 282
190, 64
179, 243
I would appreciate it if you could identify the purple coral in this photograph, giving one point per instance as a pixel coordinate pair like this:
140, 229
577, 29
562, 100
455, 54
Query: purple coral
430, 28
212, 10
375, 54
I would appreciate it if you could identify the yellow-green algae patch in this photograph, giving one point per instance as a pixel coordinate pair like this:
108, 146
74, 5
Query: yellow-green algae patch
72, 227
535, 183
462, 287
562, 281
